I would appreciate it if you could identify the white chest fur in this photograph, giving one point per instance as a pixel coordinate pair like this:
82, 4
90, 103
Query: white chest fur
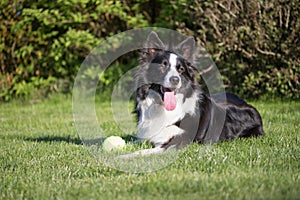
156, 124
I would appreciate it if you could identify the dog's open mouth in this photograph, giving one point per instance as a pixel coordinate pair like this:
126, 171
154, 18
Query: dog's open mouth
169, 98
164, 89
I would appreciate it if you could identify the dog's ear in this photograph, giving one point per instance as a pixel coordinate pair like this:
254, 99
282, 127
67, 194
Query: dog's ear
187, 49
153, 43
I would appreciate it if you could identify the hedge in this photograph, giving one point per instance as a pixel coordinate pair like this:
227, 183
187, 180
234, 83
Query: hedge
255, 43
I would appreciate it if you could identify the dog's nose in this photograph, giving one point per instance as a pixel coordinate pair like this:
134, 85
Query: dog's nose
174, 80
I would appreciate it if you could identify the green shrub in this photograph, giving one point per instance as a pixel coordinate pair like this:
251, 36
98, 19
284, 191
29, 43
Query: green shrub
255, 44
43, 43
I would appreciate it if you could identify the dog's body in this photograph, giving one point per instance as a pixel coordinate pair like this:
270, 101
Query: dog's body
173, 111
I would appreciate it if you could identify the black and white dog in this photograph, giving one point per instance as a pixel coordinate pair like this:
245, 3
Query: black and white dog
173, 111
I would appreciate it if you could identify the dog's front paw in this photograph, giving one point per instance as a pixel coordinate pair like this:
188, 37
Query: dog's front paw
144, 152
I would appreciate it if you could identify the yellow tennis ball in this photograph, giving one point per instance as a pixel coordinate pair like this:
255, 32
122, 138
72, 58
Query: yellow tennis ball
113, 143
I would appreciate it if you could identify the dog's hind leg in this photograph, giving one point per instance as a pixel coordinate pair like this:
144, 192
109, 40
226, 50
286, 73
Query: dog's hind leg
252, 131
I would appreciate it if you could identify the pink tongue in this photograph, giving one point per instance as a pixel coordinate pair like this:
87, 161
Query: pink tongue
169, 101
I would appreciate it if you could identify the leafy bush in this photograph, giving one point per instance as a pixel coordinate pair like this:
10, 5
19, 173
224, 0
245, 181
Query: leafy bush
43, 44
255, 44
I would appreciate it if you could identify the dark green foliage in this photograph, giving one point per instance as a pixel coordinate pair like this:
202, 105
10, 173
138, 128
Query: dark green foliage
43, 43
255, 44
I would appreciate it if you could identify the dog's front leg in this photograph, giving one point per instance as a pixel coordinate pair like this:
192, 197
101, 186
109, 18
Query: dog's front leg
144, 152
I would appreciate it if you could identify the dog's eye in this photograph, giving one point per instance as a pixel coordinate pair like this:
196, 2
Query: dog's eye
180, 68
165, 63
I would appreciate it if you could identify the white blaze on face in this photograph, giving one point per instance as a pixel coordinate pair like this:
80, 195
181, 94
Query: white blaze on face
173, 61
172, 72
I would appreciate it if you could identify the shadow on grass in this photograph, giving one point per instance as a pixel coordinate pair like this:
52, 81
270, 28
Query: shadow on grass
51, 139
77, 141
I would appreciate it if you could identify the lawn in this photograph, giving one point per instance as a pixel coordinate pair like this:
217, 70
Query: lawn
42, 157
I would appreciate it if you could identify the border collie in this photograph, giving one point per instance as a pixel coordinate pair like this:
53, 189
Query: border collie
173, 111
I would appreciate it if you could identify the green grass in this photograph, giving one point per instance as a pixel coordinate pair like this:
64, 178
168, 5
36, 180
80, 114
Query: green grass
42, 157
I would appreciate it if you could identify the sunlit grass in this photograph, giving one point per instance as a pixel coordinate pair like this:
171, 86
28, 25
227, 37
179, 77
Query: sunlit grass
42, 157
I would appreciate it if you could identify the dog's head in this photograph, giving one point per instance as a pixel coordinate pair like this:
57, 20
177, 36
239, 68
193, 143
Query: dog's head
168, 72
